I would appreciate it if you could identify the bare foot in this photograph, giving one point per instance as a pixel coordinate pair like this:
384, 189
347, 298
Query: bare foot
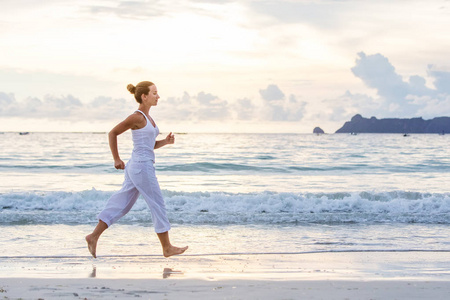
92, 245
172, 250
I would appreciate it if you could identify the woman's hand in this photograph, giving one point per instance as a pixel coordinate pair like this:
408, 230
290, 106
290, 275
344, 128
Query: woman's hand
170, 138
119, 164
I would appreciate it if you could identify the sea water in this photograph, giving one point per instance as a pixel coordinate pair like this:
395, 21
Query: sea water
231, 193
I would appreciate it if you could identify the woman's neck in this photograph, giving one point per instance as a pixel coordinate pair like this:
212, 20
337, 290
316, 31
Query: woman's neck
144, 109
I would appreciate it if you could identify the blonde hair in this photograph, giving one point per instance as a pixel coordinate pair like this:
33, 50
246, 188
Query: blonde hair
142, 88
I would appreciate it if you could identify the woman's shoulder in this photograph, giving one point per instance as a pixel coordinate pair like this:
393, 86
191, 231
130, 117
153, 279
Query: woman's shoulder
133, 117
135, 120
137, 113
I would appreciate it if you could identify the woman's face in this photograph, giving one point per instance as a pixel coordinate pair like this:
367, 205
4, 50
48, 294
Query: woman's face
152, 97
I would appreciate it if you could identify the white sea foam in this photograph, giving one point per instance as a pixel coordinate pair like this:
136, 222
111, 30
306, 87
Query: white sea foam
242, 208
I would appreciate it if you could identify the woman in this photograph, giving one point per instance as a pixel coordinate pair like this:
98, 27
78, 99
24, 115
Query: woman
139, 172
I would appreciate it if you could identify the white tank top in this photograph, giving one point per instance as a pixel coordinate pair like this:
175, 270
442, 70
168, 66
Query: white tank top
144, 140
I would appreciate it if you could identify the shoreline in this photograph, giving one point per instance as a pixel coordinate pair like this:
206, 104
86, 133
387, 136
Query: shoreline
230, 253
352, 275
342, 265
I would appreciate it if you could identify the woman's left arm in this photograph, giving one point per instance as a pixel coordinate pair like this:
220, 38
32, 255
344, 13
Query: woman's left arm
170, 139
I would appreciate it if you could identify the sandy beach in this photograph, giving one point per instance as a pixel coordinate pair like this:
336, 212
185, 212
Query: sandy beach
344, 275
26, 288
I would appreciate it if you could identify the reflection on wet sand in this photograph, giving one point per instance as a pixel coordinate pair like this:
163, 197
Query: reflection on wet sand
94, 272
169, 272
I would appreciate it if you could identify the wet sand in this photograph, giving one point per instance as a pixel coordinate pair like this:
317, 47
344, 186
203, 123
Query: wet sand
345, 275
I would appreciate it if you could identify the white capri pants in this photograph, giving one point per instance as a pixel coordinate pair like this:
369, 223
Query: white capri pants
140, 178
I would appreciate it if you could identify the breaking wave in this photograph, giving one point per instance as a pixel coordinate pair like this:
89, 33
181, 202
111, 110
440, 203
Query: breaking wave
227, 208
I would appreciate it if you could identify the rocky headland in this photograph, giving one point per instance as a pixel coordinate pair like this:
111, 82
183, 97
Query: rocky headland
359, 124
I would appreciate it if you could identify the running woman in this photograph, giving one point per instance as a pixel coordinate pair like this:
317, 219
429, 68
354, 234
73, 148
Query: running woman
139, 171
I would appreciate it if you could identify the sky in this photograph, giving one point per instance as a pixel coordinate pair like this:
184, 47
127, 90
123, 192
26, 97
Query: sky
222, 66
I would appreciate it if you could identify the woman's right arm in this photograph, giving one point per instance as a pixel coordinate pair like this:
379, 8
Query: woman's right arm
120, 128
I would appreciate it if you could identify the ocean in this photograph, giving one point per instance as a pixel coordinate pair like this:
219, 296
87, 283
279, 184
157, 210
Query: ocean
230, 193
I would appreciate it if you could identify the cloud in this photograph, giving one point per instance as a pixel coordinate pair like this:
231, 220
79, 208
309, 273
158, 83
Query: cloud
145, 9
206, 98
63, 108
319, 13
245, 109
176, 108
108, 108
201, 107
441, 79
377, 72
211, 107
277, 108
6, 100
430, 107
396, 97
271, 93
295, 109
218, 2
140, 10
206, 106
62, 103
349, 104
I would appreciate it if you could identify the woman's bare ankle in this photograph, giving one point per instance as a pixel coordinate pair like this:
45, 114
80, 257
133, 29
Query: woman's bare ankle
172, 250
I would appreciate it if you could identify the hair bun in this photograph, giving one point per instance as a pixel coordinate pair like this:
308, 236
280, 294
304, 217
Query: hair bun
131, 88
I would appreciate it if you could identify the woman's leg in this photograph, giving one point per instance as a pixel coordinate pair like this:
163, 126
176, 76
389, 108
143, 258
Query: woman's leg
168, 249
117, 206
92, 238
148, 186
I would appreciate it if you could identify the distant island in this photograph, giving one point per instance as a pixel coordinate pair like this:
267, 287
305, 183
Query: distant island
358, 124
318, 130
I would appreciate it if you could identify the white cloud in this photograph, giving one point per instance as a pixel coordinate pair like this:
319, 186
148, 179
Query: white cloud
245, 110
33, 107
271, 93
197, 108
205, 106
377, 72
320, 13
108, 108
441, 79
294, 109
63, 107
430, 107
211, 107
140, 10
176, 108
277, 108
6, 100
397, 97
344, 107
201, 107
